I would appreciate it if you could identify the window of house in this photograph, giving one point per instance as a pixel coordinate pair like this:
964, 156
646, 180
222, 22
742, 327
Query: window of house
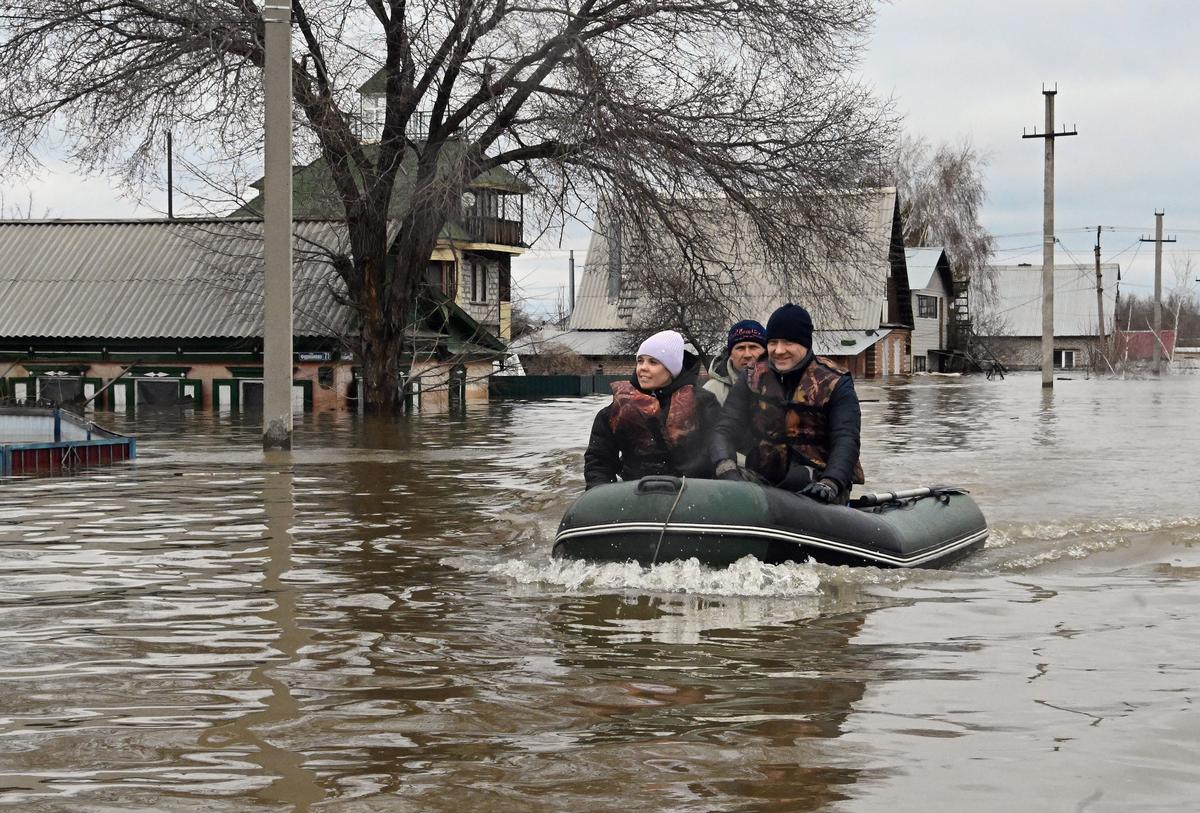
1064, 359
433, 275
440, 274
374, 108
918, 364
927, 306
479, 279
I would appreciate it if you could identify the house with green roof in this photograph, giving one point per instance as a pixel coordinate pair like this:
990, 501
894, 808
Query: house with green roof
472, 263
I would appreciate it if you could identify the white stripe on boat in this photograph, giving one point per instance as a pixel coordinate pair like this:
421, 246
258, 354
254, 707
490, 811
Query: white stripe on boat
778, 534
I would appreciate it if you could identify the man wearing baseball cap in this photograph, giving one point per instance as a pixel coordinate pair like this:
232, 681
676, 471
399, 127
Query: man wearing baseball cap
796, 414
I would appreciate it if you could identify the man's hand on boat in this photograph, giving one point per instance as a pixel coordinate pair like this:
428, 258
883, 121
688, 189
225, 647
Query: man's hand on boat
824, 491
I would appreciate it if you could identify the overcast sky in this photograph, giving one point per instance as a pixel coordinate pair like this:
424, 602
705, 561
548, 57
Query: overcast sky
1127, 75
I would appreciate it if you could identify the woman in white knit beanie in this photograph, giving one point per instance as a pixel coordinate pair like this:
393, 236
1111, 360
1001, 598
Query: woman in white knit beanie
658, 421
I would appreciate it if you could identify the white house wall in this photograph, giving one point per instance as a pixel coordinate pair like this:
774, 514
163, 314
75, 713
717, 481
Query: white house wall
929, 333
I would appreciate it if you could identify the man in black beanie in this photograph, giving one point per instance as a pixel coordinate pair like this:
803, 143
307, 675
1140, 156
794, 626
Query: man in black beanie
746, 344
796, 414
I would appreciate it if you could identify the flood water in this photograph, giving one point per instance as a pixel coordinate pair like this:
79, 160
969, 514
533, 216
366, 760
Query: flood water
375, 624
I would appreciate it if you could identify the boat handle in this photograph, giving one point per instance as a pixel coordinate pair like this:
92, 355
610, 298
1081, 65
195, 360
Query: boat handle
659, 484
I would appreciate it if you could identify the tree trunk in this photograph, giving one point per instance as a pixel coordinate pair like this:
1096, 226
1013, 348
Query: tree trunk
380, 344
390, 282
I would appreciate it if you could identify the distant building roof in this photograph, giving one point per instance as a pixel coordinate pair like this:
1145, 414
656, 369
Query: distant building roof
129, 279
583, 342
1019, 304
593, 343
606, 298
844, 342
315, 195
925, 265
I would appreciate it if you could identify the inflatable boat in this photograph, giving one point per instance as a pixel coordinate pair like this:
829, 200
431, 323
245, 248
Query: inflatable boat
660, 519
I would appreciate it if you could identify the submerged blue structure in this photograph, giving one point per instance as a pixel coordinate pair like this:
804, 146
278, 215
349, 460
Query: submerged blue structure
42, 438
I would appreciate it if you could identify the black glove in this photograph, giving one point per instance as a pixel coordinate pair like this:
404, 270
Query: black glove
825, 491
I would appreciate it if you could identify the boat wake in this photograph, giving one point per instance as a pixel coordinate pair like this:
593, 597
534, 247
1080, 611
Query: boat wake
1125, 541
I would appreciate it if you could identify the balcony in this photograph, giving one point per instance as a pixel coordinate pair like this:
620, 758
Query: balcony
498, 230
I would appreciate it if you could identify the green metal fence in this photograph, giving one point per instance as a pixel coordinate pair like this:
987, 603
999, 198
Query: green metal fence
550, 386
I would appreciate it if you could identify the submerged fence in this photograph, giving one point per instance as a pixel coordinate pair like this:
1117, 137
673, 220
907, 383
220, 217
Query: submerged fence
550, 386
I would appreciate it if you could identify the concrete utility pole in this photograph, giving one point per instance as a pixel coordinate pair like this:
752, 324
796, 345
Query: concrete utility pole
1048, 237
571, 263
1099, 287
277, 229
1158, 241
170, 179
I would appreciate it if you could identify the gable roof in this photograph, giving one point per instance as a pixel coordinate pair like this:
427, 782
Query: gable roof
1019, 302
605, 299
314, 194
180, 279
929, 269
136, 279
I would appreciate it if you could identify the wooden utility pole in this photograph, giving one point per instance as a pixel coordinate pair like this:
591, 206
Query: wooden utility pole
1048, 237
277, 228
1158, 241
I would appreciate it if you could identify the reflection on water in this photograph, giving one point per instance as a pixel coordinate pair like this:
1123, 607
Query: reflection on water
1046, 420
373, 623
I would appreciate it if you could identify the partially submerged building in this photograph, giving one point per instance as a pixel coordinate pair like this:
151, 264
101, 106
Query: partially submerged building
1011, 328
160, 312
932, 299
472, 263
868, 330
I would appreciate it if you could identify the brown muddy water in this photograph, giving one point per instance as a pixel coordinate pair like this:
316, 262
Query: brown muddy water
375, 624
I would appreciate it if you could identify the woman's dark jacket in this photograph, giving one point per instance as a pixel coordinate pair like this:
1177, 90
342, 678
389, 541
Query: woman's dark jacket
807, 417
641, 433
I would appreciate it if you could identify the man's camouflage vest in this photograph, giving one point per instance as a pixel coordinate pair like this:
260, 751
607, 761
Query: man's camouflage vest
798, 426
635, 418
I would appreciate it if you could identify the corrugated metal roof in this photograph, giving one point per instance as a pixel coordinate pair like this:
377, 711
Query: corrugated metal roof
862, 281
864, 291
594, 308
583, 342
1019, 305
845, 342
157, 279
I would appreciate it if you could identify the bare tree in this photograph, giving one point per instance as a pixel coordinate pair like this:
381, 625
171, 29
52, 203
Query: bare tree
642, 103
19, 210
941, 194
694, 299
1182, 297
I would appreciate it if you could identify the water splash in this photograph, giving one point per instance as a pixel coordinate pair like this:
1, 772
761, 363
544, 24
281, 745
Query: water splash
745, 577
